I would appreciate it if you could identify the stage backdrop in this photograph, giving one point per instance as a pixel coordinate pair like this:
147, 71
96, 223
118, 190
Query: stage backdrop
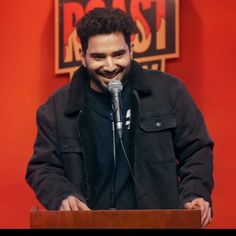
157, 39
206, 64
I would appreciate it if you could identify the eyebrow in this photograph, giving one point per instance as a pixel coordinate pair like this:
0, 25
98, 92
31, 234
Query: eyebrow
122, 51
97, 54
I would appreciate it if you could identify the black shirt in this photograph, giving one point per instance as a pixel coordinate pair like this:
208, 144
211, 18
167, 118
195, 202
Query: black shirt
100, 118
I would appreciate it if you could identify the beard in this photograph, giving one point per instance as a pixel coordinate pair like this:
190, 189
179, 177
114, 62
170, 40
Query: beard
99, 84
103, 87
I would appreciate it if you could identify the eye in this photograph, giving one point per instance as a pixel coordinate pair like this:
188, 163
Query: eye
98, 57
119, 54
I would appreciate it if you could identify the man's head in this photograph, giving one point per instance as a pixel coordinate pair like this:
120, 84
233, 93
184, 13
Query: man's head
106, 50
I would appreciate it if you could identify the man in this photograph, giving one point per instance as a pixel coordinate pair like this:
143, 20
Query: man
164, 159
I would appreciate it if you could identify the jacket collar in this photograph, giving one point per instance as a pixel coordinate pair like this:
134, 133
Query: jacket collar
76, 100
138, 79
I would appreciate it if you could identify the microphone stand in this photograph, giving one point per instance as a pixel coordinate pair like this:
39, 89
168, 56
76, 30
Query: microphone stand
113, 193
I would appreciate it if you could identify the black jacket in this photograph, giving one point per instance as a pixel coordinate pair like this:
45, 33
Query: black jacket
171, 148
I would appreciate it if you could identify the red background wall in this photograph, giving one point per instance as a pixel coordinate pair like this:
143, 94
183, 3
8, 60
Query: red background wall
206, 65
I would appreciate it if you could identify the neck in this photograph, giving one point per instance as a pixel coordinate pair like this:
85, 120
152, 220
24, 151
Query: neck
95, 87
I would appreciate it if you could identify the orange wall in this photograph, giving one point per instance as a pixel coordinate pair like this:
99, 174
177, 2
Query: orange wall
206, 65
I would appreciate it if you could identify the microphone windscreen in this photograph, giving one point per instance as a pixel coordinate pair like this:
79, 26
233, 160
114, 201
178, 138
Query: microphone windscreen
115, 85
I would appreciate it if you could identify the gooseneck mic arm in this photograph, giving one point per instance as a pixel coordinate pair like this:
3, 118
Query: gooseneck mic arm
112, 204
115, 87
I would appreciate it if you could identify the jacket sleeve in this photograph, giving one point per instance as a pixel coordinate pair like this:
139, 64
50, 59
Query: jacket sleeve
194, 150
45, 173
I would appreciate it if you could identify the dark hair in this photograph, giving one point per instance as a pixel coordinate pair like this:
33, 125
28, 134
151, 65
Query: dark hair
104, 21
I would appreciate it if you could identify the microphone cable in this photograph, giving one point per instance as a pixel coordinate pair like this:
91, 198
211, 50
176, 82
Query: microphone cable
112, 194
127, 160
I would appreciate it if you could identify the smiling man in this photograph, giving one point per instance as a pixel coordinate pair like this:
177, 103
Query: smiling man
163, 160
107, 57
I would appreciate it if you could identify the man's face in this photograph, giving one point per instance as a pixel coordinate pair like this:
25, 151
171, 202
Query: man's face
107, 57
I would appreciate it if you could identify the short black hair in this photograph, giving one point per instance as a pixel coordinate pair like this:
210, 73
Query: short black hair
104, 20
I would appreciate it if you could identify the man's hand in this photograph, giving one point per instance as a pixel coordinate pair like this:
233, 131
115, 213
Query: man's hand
71, 203
204, 206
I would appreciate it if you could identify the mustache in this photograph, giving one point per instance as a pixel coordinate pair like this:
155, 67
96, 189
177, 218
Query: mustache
110, 73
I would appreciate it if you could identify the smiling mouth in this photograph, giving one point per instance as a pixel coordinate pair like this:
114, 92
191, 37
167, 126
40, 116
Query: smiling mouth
109, 76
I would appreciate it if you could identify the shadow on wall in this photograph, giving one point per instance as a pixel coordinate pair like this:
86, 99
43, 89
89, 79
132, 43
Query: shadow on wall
191, 52
49, 80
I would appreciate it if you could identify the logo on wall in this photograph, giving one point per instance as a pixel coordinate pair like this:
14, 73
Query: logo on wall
157, 38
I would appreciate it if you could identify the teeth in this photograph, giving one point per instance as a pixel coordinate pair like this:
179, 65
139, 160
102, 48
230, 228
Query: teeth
110, 76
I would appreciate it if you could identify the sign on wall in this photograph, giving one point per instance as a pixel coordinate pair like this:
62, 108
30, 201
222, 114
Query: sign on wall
157, 38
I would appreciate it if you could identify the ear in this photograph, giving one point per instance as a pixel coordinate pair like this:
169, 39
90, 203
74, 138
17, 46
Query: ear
82, 56
131, 50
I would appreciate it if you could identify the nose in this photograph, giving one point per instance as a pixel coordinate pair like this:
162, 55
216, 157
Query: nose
109, 64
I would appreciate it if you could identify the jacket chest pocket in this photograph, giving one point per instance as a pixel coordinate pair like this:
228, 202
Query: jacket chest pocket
156, 140
69, 143
71, 154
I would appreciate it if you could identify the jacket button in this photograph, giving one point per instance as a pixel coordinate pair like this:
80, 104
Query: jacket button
158, 124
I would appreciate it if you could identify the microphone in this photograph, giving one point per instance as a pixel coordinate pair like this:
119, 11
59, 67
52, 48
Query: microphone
115, 87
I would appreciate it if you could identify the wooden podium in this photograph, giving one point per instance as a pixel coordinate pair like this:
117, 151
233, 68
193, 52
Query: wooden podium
116, 219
